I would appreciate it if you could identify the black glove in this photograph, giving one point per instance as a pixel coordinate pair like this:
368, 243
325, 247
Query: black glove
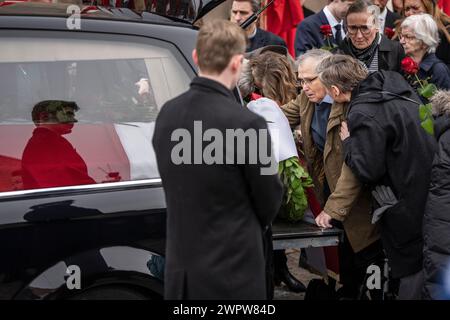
385, 198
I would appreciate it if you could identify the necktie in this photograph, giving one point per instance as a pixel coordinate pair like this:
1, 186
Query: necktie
338, 36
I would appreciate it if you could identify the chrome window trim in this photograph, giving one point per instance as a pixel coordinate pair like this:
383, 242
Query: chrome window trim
101, 186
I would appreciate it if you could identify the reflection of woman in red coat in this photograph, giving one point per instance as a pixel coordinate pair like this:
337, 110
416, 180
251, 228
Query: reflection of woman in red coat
49, 160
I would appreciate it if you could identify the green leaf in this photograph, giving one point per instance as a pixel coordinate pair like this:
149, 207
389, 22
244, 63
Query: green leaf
424, 111
428, 126
428, 90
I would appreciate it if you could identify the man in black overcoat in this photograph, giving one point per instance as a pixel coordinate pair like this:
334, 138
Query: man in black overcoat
220, 202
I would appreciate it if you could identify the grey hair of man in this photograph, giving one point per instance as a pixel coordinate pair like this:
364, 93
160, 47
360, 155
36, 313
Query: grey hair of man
341, 71
316, 55
365, 6
425, 29
246, 83
441, 103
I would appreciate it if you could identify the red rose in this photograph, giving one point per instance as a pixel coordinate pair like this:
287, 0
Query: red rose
389, 32
409, 66
326, 30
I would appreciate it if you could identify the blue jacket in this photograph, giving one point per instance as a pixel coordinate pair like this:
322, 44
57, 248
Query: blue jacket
308, 34
432, 67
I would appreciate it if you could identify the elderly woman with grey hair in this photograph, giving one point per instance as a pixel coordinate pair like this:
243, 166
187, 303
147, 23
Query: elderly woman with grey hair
436, 222
420, 37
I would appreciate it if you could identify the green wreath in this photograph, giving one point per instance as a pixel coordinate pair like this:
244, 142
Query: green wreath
295, 179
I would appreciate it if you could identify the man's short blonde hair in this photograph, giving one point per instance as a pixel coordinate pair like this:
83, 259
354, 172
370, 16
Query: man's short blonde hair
217, 42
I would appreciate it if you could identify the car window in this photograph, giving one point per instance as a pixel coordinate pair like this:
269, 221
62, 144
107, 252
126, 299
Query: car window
75, 112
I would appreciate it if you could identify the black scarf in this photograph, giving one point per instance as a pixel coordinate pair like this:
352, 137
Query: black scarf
365, 55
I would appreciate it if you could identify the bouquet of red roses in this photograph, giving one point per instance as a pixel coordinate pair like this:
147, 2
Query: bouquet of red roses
425, 89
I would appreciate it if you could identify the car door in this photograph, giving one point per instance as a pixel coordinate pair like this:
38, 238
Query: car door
79, 185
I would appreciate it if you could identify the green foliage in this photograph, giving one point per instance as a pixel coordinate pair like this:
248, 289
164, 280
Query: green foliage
428, 90
295, 180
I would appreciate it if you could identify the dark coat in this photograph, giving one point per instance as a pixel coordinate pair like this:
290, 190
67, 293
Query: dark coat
216, 214
391, 17
443, 49
390, 53
49, 160
264, 38
436, 224
308, 35
387, 146
432, 67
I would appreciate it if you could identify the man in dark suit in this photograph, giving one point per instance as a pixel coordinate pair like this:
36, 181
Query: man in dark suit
219, 204
257, 38
308, 31
387, 17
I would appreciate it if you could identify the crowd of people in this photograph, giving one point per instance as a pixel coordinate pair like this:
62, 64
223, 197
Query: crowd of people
369, 93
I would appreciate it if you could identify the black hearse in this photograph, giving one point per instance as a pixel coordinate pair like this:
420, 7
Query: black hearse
82, 210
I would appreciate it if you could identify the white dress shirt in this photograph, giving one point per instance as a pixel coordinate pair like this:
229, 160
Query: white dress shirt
333, 22
382, 19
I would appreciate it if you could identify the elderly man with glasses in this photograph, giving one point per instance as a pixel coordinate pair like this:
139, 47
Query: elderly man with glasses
340, 194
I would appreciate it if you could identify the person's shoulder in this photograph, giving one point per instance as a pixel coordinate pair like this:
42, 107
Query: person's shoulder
312, 20
175, 102
390, 44
245, 118
272, 38
394, 15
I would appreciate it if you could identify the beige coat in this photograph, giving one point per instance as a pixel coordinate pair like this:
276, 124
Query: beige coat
349, 202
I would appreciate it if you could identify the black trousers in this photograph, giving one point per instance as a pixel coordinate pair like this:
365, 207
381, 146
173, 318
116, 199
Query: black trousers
353, 266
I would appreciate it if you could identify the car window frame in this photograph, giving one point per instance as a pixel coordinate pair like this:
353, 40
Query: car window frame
104, 36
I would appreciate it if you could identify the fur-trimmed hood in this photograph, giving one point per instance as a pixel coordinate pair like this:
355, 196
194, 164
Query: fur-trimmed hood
441, 103
441, 111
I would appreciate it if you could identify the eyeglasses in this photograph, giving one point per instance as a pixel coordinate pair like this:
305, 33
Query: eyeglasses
353, 30
407, 37
304, 81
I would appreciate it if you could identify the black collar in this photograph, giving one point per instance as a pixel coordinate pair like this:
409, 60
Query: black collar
385, 44
202, 82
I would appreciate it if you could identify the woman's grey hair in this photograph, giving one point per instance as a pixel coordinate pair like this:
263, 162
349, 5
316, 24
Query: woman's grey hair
441, 102
341, 71
315, 54
425, 29
246, 82
365, 6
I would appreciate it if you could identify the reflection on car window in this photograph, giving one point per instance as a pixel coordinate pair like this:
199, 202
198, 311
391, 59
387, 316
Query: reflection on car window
73, 119
48, 159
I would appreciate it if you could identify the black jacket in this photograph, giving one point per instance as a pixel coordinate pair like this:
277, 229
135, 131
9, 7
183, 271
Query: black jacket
264, 38
216, 213
391, 18
390, 53
388, 146
436, 225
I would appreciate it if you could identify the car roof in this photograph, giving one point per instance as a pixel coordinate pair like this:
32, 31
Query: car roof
23, 7
54, 18
20, 8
